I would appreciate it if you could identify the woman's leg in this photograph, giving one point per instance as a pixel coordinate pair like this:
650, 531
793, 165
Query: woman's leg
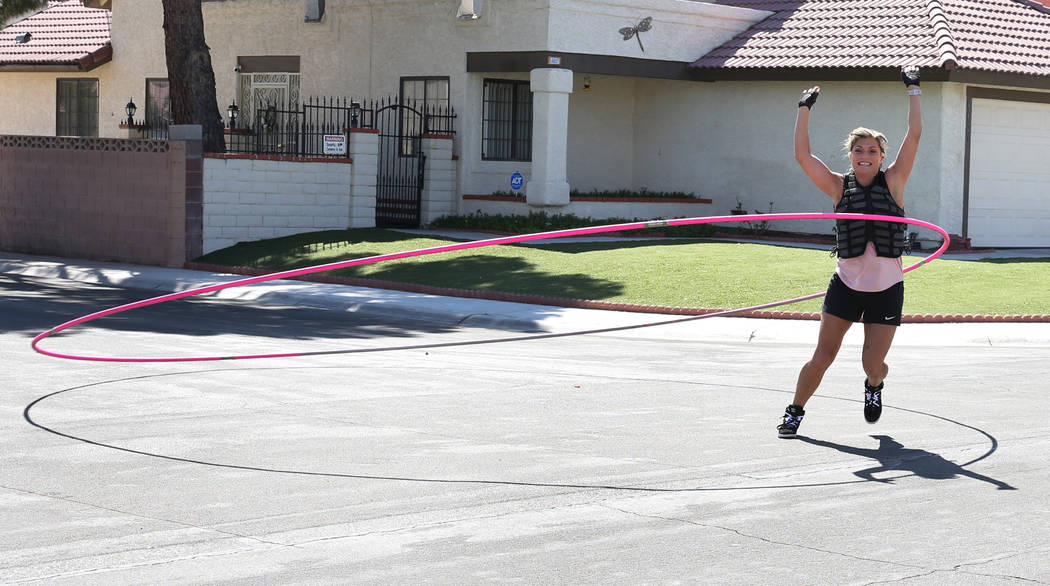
829, 340
877, 341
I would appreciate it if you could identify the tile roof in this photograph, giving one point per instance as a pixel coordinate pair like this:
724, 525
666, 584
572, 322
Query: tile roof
64, 36
1001, 36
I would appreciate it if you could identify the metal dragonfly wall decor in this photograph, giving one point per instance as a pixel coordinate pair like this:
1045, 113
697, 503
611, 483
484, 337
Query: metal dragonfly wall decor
636, 31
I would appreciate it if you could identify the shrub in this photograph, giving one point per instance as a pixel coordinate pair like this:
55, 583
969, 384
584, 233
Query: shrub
544, 222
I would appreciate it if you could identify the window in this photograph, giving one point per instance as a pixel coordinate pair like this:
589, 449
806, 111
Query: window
158, 107
76, 111
506, 125
428, 96
424, 93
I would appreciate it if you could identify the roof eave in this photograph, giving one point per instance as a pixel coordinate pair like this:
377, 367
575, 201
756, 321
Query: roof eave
39, 67
950, 72
96, 58
87, 62
803, 73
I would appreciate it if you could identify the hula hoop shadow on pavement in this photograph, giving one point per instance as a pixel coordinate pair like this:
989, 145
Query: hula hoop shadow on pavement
905, 462
462, 246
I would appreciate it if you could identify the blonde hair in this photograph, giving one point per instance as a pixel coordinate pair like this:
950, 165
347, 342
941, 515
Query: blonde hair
861, 132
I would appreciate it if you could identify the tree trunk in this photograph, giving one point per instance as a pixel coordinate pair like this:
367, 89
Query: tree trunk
191, 80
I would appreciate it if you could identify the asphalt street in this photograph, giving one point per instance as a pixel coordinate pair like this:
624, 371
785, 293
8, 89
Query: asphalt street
646, 455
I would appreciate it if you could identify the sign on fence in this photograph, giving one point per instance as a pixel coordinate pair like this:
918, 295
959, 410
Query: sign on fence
335, 144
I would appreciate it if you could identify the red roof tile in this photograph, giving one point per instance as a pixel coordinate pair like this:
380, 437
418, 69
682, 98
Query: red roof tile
65, 35
1005, 36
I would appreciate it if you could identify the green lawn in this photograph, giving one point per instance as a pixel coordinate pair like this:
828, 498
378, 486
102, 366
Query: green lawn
686, 273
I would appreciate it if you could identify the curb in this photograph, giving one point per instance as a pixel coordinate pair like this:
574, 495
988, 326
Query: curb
158, 280
602, 305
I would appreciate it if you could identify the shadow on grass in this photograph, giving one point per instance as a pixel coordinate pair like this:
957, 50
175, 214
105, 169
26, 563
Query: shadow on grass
468, 270
288, 251
1016, 260
291, 251
492, 273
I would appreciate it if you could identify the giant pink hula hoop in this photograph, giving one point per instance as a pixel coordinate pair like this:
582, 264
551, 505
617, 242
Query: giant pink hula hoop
462, 246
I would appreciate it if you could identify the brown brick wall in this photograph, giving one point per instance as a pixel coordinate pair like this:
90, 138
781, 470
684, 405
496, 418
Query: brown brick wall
103, 199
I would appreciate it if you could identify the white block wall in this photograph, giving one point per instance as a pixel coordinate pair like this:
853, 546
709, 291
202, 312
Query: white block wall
255, 199
439, 179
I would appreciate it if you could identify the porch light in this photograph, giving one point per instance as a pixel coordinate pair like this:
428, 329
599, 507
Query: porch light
232, 111
130, 109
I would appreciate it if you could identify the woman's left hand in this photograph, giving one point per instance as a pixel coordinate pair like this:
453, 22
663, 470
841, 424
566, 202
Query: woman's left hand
910, 75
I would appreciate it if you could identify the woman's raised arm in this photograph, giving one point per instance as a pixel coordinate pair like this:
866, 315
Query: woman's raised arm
824, 178
897, 173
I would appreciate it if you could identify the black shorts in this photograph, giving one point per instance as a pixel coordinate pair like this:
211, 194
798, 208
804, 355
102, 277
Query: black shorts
879, 307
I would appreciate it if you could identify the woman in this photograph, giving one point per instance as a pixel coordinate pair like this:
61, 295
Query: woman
868, 284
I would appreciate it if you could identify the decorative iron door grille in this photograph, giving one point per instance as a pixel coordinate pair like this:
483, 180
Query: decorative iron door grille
262, 90
399, 183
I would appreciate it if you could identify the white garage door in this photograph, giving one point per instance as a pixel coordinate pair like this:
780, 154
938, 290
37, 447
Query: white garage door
1009, 174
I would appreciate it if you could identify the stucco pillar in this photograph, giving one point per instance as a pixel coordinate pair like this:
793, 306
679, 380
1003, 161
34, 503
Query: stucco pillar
547, 185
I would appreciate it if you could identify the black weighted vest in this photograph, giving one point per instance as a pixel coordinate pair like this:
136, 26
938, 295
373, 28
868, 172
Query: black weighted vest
853, 235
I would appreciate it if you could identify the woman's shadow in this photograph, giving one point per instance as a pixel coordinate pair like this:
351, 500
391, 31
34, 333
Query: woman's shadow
892, 455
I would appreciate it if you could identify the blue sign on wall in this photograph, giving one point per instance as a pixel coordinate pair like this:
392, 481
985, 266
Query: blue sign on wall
517, 181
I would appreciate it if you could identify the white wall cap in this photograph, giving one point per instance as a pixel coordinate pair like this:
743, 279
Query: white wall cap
551, 80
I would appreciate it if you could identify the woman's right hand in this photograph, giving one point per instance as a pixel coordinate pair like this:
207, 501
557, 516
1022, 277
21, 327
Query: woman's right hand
809, 97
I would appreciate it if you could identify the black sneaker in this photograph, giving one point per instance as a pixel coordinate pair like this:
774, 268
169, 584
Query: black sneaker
872, 401
792, 419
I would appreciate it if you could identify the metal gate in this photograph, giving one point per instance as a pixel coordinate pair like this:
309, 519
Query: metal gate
399, 183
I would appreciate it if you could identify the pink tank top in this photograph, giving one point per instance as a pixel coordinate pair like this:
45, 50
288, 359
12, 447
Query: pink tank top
870, 272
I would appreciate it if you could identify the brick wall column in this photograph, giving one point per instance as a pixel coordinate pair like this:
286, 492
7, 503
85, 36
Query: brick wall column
439, 178
193, 202
363, 148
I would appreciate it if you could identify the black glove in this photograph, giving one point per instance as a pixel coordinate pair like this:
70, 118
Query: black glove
910, 75
809, 97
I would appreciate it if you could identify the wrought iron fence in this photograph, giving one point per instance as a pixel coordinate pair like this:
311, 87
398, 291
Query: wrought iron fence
156, 127
300, 131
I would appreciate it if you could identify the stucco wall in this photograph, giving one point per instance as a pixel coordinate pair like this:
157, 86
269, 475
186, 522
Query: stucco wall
23, 110
681, 30
734, 140
601, 133
949, 212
